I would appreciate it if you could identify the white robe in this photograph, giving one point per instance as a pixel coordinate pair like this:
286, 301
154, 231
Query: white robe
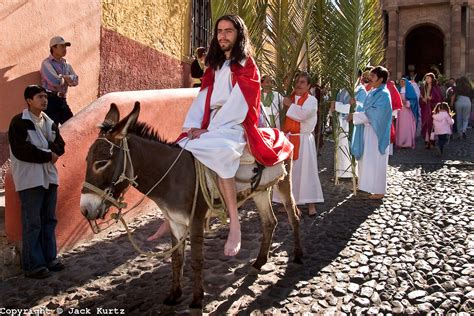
222, 146
343, 168
273, 111
305, 177
372, 165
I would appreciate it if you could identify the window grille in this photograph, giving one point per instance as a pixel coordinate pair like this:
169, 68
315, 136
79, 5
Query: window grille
201, 24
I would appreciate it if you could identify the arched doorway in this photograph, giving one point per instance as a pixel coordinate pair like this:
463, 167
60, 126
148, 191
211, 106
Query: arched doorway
424, 49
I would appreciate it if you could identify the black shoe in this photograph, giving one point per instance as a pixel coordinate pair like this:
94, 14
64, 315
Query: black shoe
56, 265
464, 136
40, 274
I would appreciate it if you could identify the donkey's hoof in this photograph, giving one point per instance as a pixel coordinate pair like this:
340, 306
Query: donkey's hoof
254, 270
298, 260
172, 299
194, 310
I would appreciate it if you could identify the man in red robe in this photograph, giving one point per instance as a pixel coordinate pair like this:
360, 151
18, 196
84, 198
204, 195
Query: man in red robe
223, 119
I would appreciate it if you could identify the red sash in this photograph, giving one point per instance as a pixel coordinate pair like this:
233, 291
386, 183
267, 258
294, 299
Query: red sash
396, 105
269, 146
294, 127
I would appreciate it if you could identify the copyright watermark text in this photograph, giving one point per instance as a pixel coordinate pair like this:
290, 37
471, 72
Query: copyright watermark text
61, 311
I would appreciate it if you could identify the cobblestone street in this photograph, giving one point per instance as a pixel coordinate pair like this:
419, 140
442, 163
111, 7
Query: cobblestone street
410, 254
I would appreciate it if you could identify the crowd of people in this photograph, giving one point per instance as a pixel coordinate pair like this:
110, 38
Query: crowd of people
236, 108
423, 108
216, 124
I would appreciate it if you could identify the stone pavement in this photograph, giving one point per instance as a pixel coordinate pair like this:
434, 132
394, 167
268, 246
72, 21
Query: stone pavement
410, 254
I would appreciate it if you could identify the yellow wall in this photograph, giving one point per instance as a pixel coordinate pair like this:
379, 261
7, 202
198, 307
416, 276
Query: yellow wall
160, 24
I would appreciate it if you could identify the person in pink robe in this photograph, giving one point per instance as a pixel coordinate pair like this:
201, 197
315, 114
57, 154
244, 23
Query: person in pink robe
407, 116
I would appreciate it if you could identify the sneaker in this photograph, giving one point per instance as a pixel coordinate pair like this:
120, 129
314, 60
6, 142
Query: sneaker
56, 265
42, 273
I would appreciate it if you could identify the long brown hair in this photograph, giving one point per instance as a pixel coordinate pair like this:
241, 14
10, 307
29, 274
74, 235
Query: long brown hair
434, 82
242, 48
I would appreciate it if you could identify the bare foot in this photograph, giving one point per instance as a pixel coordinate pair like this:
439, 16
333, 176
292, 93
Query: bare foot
232, 245
297, 211
164, 229
311, 209
376, 196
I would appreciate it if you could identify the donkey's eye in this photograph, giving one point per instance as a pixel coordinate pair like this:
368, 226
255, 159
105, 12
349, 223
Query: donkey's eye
101, 164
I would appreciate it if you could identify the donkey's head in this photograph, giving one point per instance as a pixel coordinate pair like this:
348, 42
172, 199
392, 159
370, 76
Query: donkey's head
109, 171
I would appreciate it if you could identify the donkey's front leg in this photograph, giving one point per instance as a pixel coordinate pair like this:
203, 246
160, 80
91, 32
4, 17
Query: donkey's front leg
269, 222
177, 259
284, 187
197, 237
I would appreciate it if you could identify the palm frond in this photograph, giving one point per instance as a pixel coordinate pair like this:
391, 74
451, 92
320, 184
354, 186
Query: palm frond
348, 35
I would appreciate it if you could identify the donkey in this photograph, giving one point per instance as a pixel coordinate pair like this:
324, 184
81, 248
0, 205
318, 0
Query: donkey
149, 158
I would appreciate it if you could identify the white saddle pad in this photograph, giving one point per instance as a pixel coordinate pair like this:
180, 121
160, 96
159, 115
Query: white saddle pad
270, 176
247, 158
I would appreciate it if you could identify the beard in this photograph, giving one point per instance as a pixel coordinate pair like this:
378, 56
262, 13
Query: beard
226, 46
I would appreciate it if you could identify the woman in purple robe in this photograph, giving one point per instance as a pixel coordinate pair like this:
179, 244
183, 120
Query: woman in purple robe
430, 96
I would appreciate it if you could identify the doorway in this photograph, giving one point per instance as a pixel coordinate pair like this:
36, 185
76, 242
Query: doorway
424, 50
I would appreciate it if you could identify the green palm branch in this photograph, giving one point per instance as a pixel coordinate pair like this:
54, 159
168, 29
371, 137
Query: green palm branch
278, 30
339, 36
287, 33
349, 34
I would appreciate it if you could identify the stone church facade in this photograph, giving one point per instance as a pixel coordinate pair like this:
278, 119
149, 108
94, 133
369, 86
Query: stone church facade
429, 34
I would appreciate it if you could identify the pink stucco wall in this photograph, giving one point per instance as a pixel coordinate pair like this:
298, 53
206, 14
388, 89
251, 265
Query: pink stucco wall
163, 109
126, 65
25, 30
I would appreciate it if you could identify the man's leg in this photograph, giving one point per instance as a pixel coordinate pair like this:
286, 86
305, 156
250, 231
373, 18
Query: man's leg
32, 254
48, 224
53, 109
65, 112
312, 209
228, 191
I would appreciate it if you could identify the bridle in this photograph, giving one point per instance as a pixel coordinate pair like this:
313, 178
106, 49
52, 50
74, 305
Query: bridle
107, 195
119, 175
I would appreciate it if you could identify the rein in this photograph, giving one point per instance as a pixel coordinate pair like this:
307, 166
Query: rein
107, 195
168, 252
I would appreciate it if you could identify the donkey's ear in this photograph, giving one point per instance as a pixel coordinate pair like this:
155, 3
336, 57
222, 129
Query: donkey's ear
121, 128
113, 116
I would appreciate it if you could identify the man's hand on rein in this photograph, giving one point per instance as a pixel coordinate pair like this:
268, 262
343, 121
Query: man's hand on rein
196, 132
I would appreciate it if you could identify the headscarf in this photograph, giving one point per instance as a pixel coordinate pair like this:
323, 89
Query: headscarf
378, 109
